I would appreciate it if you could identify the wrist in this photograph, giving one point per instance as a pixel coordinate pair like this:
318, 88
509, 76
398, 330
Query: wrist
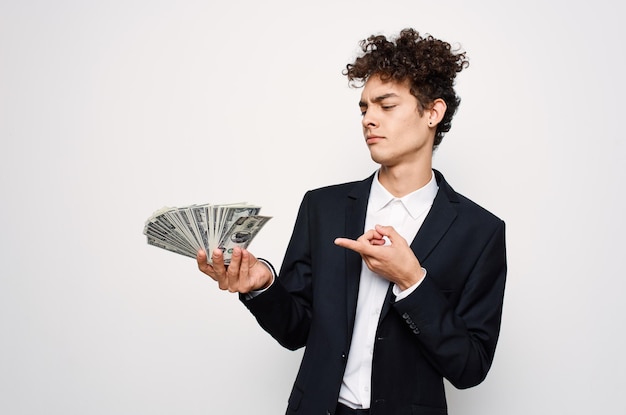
412, 280
269, 274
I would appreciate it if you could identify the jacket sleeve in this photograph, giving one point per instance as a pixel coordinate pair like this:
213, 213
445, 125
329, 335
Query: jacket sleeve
284, 309
459, 337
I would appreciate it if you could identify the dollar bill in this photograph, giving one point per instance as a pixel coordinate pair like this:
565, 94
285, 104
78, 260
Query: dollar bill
228, 216
186, 230
164, 245
240, 234
198, 214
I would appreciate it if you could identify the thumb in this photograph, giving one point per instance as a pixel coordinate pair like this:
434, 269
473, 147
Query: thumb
385, 230
388, 231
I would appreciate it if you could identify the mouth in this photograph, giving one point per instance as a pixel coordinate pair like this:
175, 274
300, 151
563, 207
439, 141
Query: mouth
373, 139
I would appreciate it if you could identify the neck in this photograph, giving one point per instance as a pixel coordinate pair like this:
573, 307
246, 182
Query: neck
402, 180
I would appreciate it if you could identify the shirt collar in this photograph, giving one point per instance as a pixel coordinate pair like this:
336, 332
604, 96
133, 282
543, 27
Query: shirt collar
415, 202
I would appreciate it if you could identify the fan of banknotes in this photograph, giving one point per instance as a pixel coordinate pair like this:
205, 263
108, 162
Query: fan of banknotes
185, 230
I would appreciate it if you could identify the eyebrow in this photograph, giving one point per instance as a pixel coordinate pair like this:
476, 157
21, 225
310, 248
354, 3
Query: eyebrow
379, 99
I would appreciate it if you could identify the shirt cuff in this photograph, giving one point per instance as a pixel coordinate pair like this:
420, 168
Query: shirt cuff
252, 294
403, 294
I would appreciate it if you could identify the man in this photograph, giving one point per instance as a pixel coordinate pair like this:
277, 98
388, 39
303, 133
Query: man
395, 282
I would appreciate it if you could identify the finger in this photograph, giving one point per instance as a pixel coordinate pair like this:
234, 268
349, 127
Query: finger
219, 269
247, 262
234, 269
235, 261
360, 246
203, 265
373, 237
377, 242
384, 230
348, 243
217, 258
363, 239
202, 259
389, 232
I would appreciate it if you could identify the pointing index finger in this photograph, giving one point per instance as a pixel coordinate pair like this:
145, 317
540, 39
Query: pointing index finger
346, 243
359, 246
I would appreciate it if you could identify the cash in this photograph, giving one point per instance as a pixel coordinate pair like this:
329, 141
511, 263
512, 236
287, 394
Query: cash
186, 230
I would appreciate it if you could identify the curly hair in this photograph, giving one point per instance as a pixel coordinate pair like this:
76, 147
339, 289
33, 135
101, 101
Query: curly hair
429, 64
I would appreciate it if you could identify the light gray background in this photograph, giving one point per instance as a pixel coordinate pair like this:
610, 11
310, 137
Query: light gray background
111, 110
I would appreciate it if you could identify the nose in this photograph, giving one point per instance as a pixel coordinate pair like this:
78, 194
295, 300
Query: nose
369, 120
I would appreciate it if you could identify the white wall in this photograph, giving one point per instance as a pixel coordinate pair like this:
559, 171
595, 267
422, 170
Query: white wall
110, 110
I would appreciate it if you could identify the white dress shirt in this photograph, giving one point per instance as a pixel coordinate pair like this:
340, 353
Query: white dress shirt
406, 215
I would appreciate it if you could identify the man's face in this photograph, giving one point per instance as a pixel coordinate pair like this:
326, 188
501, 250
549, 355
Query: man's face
393, 128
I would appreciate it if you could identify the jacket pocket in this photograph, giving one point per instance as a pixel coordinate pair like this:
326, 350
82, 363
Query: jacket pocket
427, 410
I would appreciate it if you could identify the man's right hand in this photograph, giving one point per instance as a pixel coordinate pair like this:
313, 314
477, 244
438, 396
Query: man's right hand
245, 273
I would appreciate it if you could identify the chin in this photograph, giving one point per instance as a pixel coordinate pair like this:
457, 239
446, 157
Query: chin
378, 158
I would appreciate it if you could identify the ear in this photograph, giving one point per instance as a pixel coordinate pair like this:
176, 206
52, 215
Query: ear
436, 112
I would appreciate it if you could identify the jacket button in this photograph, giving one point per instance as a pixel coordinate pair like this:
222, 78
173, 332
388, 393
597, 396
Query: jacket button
405, 316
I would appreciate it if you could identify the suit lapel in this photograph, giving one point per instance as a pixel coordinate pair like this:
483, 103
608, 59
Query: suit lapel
356, 209
437, 222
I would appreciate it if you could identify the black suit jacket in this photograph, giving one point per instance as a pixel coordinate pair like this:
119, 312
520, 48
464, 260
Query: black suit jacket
447, 328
